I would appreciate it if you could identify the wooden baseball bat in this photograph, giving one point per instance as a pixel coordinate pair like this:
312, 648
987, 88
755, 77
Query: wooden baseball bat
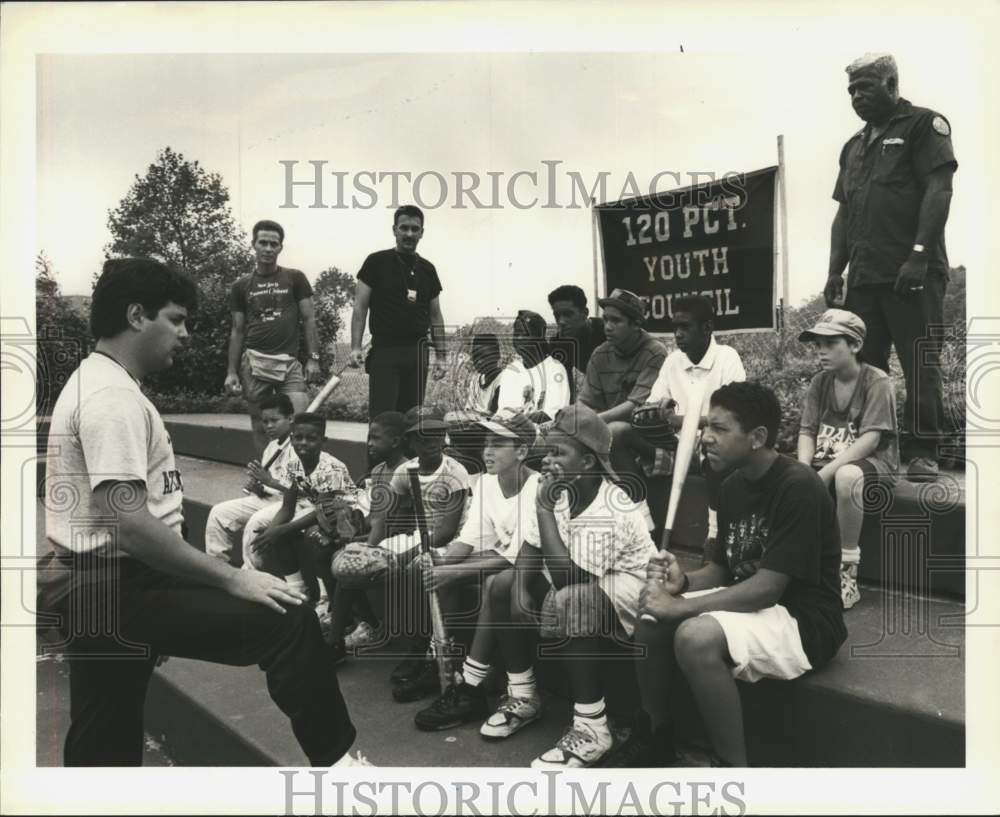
686, 440
440, 645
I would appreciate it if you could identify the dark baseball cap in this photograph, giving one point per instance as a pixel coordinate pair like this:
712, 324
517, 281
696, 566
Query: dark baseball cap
424, 418
628, 302
583, 424
533, 322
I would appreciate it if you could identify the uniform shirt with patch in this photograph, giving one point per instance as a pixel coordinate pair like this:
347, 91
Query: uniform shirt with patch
614, 377
103, 428
882, 184
498, 522
442, 491
610, 540
271, 306
402, 285
329, 475
872, 407
542, 387
786, 522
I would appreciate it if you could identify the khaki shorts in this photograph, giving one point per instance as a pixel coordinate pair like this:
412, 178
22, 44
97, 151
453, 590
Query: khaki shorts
255, 389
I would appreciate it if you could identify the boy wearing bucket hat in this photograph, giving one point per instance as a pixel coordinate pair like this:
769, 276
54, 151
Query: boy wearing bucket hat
848, 431
593, 543
621, 373
503, 502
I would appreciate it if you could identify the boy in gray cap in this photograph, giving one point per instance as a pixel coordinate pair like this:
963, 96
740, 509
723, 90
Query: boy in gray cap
848, 431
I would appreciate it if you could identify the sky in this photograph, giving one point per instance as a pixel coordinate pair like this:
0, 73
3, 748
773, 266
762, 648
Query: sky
102, 118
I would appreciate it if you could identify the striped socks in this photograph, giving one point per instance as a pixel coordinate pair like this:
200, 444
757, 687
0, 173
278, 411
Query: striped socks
594, 715
474, 673
522, 684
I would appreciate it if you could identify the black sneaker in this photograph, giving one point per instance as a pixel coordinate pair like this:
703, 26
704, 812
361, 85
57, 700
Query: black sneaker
339, 653
408, 669
460, 704
644, 749
420, 686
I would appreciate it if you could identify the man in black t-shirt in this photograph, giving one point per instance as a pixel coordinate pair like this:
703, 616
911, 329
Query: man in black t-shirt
766, 605
400, 291
267, 306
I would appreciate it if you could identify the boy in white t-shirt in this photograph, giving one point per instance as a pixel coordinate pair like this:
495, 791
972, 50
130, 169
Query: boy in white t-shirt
535, 383
444, 486
593, 542
503, 504
267, 486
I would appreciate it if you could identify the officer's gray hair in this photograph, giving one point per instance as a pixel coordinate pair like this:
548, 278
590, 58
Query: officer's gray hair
881, 65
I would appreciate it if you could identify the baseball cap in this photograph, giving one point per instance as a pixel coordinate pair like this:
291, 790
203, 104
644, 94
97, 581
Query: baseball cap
511, 424
582, 424
628, 302
834, 323
533, 322
424, 418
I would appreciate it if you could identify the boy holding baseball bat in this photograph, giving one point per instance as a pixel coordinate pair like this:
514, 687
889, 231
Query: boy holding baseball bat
265, 486
766, 605
503, 502
280, 547
591, 541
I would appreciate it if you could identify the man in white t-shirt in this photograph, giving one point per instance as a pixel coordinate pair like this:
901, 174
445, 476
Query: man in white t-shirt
132, 589
503, 504
535, 383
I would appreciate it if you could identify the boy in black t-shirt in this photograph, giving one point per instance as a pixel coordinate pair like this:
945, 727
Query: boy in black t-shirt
766, 605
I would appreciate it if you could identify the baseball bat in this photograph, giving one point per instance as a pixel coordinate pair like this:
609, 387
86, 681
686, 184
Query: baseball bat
682, 462
317, 401
439, 643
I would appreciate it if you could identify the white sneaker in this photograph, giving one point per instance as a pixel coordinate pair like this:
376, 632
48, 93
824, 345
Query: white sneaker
849, 593
582, 745
512, 715
347, 761
363, 635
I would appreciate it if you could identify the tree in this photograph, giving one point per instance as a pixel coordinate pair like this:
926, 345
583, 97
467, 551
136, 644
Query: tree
333, 293
63, 337
179, 213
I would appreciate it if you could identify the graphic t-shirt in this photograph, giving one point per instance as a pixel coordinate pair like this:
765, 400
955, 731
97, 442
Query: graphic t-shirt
543, 387
329, 475
271, 306
279, 468
786, 521
499, 522
872, 407
442, 491
377, 496
610, 540
103, 428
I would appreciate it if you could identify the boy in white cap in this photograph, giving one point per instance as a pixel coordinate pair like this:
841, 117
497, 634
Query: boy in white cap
848, 431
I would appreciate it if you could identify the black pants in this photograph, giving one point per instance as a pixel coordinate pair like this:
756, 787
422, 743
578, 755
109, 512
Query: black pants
397, 376
158, 615
906, 324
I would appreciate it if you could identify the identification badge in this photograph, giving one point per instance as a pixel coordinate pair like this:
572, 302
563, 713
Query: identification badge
411, 296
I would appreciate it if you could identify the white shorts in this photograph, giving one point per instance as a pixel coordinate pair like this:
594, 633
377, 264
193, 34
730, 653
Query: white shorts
762, 644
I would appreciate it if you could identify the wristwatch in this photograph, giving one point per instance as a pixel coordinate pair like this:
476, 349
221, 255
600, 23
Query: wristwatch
314, 356
919, 248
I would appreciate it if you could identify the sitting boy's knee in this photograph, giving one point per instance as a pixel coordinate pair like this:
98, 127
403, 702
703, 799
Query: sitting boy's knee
619, 429
846, 478
698, 639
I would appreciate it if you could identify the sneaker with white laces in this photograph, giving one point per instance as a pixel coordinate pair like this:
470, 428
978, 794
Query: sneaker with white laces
582, 745
347, 761
849, 593
512, 715
364, 635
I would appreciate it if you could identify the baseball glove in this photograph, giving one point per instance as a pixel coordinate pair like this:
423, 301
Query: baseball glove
358, 565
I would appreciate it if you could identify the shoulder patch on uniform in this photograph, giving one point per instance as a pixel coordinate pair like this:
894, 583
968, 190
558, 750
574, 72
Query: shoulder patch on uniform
940, 124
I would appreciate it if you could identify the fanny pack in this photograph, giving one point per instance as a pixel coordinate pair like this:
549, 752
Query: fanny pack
269, 367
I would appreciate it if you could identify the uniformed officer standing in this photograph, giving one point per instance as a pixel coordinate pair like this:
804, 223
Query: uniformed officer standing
894, 190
